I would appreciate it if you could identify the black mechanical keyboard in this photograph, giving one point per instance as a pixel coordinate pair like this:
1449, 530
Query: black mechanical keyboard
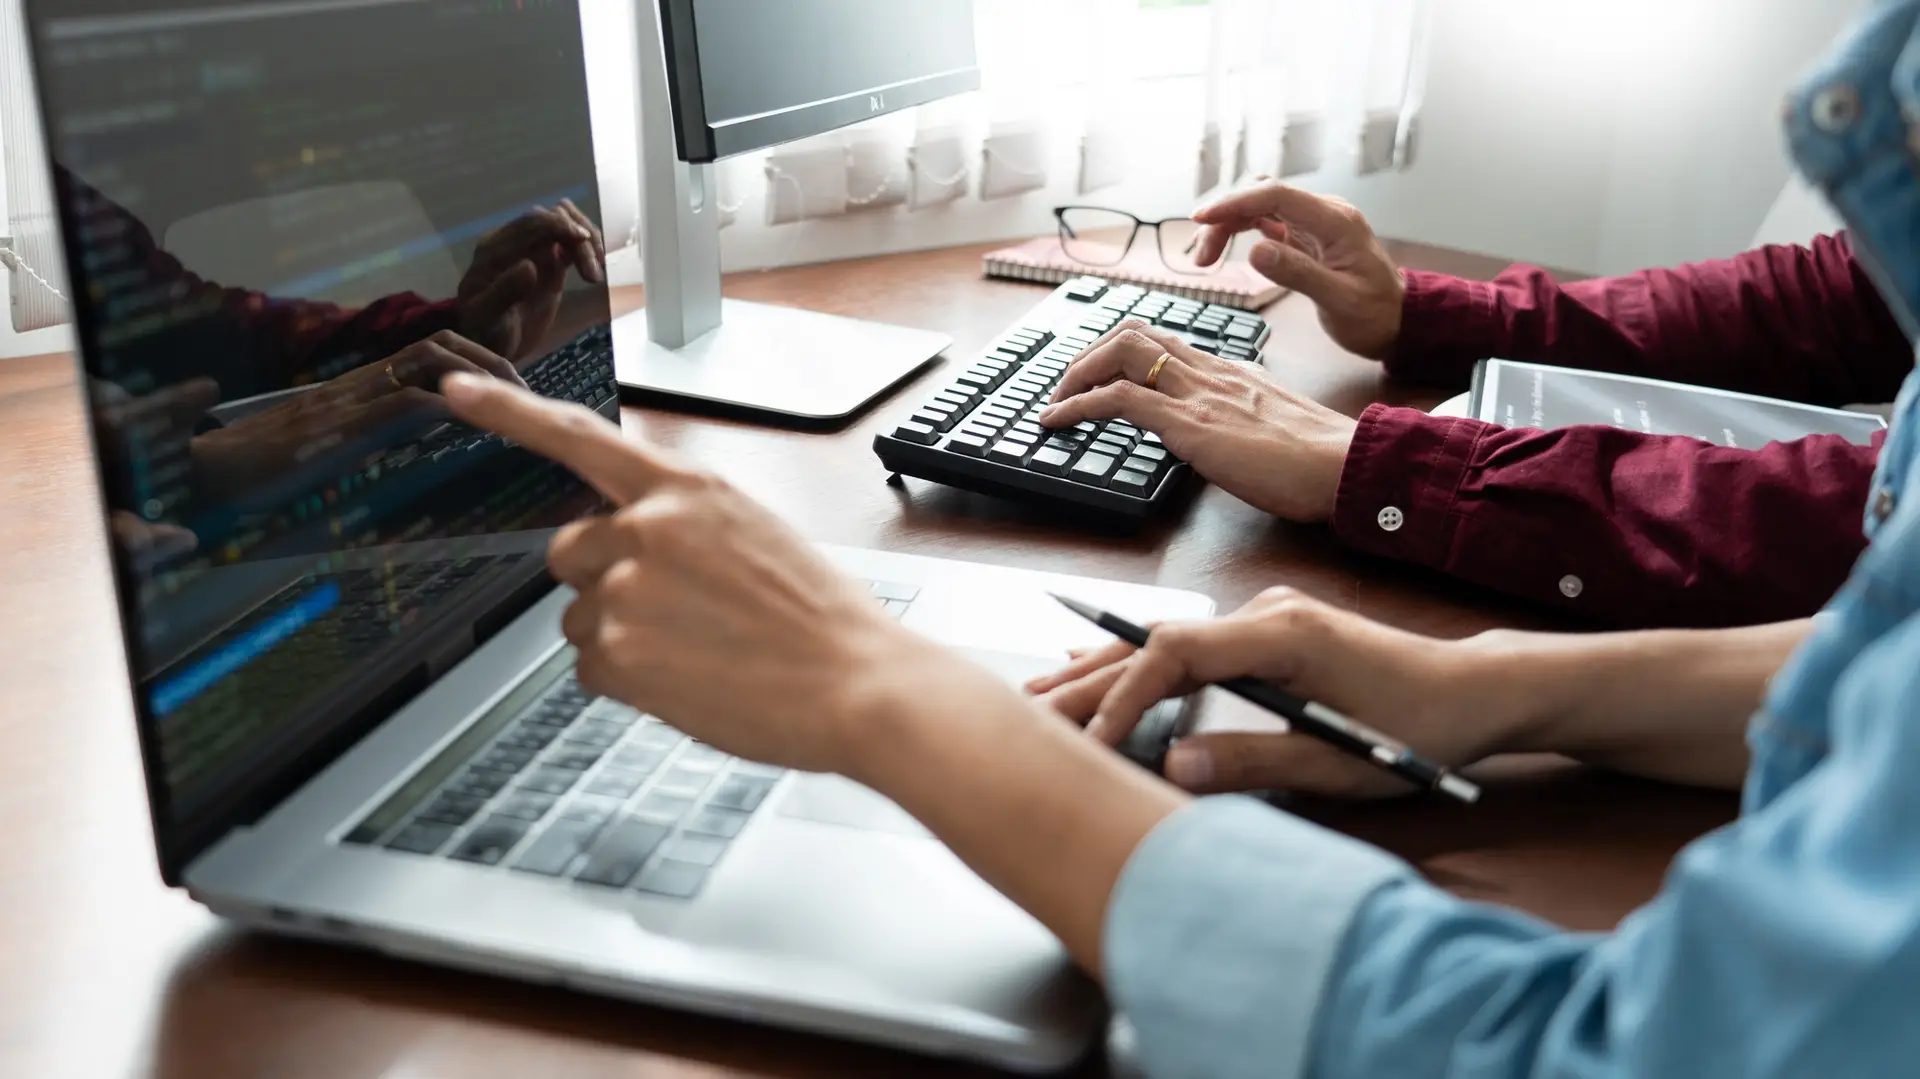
558, 783
981, 432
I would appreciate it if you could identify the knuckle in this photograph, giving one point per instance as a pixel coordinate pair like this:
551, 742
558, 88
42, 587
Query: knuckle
1278, 594
624, 581
1135, 337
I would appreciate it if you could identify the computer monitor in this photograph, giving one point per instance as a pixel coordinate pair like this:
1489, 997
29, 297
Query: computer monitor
282, 221
723, 77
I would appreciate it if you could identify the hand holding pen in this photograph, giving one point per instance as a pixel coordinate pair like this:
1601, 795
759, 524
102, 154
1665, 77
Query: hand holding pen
1317, 666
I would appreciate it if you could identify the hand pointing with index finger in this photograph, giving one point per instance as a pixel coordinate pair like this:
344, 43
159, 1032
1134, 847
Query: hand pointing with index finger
694, 602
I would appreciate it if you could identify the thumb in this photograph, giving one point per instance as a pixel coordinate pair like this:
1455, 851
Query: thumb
1226, 761
1290, 267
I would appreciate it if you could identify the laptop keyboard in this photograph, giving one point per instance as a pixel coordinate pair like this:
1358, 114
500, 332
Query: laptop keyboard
567, 785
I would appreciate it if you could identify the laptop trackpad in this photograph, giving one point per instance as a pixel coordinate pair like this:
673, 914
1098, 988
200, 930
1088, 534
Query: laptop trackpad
826, 799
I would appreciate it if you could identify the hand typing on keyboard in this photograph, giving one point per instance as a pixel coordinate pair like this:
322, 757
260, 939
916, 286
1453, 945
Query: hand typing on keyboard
1270, 447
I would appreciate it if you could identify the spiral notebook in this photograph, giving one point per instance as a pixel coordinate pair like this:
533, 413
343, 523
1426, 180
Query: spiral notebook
1235, 284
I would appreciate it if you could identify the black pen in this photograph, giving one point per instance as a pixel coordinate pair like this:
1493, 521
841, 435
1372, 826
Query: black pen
1311, 718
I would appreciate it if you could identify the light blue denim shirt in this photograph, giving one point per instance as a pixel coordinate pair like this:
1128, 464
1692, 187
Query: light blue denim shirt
1245, 942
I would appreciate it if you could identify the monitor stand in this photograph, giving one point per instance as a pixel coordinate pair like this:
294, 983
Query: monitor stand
690, 348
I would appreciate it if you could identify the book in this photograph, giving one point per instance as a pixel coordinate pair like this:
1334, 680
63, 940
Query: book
1515, 394
1234, 284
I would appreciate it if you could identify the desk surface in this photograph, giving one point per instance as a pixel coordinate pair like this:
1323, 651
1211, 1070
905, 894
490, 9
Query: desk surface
107, 973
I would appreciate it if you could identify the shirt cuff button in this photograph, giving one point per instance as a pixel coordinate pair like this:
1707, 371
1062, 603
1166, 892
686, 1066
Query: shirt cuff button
1391, 519
1571, 586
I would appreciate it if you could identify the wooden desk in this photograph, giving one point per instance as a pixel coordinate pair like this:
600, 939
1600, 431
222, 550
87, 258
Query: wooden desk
106, 973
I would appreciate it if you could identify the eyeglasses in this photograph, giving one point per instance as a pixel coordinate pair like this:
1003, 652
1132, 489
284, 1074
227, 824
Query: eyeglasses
1097, 236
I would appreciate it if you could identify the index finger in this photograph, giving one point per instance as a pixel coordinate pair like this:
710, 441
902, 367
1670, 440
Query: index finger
568, 434
1241, 209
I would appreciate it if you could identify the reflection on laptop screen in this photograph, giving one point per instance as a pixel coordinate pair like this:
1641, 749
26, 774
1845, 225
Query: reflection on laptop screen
285, 221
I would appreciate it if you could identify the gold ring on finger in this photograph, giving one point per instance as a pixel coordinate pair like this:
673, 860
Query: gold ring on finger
1153, 373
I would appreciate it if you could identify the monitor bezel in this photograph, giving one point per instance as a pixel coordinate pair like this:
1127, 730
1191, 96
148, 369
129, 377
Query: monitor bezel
698, 140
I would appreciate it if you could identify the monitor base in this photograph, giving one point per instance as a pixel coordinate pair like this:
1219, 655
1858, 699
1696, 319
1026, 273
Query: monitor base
773, 364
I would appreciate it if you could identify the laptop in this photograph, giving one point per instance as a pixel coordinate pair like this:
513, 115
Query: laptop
357, 714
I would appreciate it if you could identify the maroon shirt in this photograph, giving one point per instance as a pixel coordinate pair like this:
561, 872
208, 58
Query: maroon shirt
1622, 527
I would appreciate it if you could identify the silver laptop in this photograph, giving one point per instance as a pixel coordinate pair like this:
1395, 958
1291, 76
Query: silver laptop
357, 714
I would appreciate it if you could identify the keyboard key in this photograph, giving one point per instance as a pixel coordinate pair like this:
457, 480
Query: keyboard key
528, 806
643, 759
1009, 452
590, 808
703, 850
675, 880
573, 759
952, 399
422, 837
702, 757
655, 735
1111, 443
979, 382
918, 433
490, 841
1092, 468
665, 808
1001, 413
971, 445
454, 809
479, 784
557, 848
503, 759
1051, 461
716, 821
1150, 439
600, 738
616, 783
546, 780
622, 849
935, 417
528, 736
1176, 319
1123, 428
1131, 482
896, 590
741, 792
1032, 430
686, 782
1151, 452
1242, 331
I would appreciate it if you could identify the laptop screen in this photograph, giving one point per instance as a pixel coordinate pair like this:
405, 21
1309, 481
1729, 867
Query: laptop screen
284, 221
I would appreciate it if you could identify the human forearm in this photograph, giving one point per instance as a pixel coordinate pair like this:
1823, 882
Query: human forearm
1671, 705
1626, 529
1042, 813
1796, 322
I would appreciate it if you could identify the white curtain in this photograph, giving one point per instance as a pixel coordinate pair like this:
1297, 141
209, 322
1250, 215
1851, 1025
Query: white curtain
1142, 104
1181, 94
37, 280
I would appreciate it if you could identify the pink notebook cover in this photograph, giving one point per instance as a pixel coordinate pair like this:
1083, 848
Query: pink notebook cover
1235, 284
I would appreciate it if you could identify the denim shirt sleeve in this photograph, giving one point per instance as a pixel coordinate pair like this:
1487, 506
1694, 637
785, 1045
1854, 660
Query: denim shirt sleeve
1244, 942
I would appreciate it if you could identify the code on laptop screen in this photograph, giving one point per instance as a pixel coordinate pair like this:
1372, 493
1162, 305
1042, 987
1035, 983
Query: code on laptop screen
285, 221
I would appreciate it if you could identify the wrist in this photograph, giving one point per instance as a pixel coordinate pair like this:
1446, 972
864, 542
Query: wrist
895, 720
1527, 682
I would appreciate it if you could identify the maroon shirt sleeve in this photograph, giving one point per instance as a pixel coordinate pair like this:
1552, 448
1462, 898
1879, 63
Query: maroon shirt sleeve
1803, 323
1622, 527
